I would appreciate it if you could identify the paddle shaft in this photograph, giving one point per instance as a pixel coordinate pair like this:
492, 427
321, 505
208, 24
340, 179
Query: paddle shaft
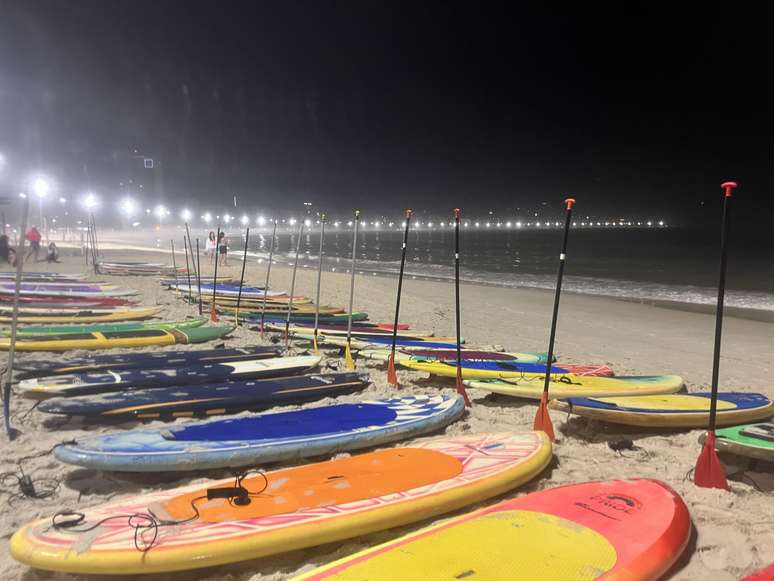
96, 245
728, 187
242, 276
194, 265
409, 212
15, 320
292, 282
352, 278
174, 267
319, 277
268, 273
198, 277
187, 270
560, 274
215, 273
457, 284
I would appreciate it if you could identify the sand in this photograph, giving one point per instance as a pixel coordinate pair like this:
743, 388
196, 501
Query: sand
734, 530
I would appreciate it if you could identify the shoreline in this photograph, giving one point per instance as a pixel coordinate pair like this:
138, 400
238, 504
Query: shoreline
751, 314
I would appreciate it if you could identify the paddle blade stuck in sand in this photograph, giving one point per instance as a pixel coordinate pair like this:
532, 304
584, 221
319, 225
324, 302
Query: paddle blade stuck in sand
543, 419
392, 375
709, 471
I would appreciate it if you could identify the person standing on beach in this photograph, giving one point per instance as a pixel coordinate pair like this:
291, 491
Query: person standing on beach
223, 248
212, 246
34, 237
7, 253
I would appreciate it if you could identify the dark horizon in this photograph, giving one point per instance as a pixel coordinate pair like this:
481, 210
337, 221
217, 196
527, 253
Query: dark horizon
385, 106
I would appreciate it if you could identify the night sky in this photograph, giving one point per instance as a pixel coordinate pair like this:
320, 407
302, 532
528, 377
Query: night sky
381, 105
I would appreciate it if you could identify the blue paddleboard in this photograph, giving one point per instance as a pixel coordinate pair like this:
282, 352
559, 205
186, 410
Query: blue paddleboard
210, 399
272, 437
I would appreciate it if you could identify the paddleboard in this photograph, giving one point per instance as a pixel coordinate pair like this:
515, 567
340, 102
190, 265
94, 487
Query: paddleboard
153, 360
496, 369
574, 386
261, 438
669, 411
379, 342
78, 315
621, 529
750, 440
111, 380
208, 399
94, 327
451, 354
288, 509
115, 339
766, 574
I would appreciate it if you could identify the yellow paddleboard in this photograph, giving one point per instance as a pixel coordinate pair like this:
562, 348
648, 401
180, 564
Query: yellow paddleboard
87, 316
670, 411
581, 386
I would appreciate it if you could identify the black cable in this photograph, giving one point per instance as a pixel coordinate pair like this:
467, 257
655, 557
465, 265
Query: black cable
143, 522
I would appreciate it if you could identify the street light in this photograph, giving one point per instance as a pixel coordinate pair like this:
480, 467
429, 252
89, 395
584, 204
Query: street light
160, 212
244, 219
128, 207
207, 218
89, 201
185, 215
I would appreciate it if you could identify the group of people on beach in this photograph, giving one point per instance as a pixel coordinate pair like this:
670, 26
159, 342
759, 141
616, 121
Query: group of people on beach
217, 247
34, 237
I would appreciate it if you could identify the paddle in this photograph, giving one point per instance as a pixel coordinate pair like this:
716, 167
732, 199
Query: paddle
11, 432
213, 311
392, 376
194, 264
292, 284
242, 277
460, 385
709, 471
542, 418
187, 270
350, 363
319, 280
198, 277
174, 267
268, 272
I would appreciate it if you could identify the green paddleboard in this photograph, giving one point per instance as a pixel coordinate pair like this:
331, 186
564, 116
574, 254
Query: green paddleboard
29, 330
751, 440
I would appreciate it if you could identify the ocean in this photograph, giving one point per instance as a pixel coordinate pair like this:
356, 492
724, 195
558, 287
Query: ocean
661, 264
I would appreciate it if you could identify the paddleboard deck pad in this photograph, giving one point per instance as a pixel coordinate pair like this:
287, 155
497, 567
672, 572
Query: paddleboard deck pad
574, 386
623, 529
287, 509
261, 438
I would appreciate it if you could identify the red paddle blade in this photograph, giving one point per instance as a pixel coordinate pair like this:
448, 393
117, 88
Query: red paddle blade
213, 314
709, 471
543, 419
461, 387
392, 376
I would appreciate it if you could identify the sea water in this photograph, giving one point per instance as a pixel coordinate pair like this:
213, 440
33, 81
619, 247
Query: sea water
662, 264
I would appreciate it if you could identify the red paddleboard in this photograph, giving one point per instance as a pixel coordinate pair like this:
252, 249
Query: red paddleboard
766, 574
621, 529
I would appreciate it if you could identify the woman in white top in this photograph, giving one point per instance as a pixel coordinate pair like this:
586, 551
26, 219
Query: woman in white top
212, 245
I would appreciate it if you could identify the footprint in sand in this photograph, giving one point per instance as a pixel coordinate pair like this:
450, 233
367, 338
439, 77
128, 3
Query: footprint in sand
721, 548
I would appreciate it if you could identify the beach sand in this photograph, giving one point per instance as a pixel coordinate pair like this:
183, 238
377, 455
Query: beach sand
734, 530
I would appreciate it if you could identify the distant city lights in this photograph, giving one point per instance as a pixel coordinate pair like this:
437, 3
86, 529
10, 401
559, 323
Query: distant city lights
89, 201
